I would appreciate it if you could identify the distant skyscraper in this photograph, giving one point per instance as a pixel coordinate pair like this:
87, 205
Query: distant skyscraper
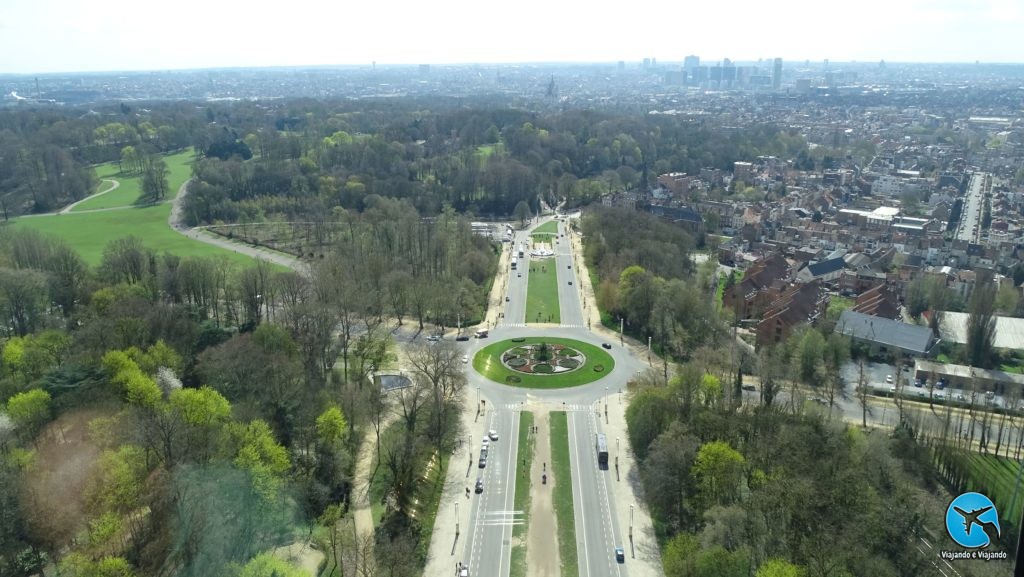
691, 61
776, 74
647, 62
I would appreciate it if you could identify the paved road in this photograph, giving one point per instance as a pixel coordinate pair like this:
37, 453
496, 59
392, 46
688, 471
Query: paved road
488, 546
487, 549
969, 228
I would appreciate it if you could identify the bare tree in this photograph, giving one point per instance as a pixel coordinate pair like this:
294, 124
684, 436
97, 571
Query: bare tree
440, 366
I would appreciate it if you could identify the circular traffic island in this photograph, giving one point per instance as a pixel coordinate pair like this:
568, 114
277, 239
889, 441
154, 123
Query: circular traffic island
543, 362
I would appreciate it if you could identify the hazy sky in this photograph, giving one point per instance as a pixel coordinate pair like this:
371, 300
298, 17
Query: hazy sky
93, 35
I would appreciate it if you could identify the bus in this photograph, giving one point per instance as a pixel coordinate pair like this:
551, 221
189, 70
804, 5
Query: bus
514, 262
602, 451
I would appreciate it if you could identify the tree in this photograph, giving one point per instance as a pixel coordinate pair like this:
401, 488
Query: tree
667, 466
331, 426
440, 366
522, 213
718, 470
130, 161
981, 324
154, 179
680, 556
29, 411
23, 300
779, 568
267, 565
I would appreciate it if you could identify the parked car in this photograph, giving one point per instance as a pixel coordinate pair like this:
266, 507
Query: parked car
465, 358
434, 338
479, 485
888, 379
483, 462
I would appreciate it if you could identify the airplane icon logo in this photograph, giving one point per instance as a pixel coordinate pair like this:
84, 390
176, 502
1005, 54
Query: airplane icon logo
972, 521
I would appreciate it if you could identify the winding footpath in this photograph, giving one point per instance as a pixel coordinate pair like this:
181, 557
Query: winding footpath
67, 209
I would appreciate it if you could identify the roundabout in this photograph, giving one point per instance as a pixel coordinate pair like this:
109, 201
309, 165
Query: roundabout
543, 362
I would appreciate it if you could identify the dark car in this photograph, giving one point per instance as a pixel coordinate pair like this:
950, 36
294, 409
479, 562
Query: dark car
570, 282
569, 267
507, 299
620, 554
606, 345
462, 338
483, 461
479, 485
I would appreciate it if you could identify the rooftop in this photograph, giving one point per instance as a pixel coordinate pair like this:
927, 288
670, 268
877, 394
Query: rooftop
885, 332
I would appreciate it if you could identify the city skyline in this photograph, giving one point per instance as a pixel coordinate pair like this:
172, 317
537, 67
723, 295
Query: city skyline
53, 36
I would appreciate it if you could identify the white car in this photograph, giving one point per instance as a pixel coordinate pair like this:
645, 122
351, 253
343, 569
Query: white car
486, 441
888, 379
493, 434
465, 358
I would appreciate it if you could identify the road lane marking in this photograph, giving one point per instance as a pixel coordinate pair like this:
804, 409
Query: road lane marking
578, 489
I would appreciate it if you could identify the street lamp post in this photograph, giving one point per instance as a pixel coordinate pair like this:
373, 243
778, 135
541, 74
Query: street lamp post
631, 521
456, 519
621, 322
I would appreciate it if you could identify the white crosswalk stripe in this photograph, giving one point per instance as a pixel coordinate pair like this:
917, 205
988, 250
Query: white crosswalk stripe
570, 407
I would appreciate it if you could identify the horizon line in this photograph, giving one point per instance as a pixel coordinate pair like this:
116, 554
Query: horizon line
373, 64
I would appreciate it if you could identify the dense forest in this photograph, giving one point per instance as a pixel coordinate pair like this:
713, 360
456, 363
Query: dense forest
163, 415
645, 277
291, 159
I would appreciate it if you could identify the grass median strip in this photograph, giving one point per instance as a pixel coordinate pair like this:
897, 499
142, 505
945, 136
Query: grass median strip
542, 293
522, 496
561, 470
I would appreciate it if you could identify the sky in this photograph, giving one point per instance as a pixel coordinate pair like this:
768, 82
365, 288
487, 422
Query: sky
39, 36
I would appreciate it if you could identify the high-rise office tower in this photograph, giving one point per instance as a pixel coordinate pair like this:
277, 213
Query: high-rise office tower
776, 74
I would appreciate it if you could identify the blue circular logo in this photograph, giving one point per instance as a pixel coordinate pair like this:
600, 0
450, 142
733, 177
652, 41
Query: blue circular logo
972, 521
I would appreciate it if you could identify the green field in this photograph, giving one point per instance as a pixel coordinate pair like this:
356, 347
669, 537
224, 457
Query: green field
996, 477
128, 193
522, 496
90, 232
542, 293
550, 227
562, 479
488, 363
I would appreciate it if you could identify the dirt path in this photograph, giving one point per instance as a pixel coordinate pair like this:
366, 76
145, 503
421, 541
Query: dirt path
542, 559
176, 221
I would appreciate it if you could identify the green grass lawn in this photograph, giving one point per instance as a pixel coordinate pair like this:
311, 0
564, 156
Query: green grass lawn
550, 227
488, 363
996, 477
562, 479
522, 496
128, 193
542, 293
88, 233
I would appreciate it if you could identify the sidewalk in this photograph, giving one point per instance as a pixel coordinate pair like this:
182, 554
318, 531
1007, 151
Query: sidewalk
447, 540
643, 558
